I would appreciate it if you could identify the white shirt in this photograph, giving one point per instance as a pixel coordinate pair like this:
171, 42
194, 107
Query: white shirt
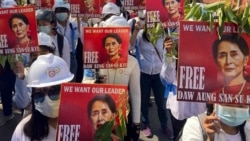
150, 61
19, 135
192, 131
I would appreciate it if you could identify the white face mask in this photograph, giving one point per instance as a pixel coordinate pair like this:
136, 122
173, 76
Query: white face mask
232, 116
45, 29
48, 108
62, 16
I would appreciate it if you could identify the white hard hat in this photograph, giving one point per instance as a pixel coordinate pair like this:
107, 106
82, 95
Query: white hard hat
115, 21
45, 40
110, 8
48, 70
61, 4
8, 3
141, 13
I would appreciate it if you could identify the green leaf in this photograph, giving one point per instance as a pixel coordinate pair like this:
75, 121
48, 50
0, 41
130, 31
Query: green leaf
104, 132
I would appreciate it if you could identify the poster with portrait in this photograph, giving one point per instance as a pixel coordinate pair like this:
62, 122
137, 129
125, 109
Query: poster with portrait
18, 31
85, 8
213, 70
84, 108
44, 4
105, 47
134, 4
168, 12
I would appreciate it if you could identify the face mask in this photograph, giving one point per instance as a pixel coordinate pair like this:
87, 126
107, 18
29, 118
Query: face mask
48, 107
232, 116
61, 16
45, 29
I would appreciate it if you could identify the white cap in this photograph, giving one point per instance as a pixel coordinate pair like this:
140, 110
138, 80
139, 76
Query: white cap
110, 8
45, 40
141, 13
61, 4
48, 70
8, 3
115, 21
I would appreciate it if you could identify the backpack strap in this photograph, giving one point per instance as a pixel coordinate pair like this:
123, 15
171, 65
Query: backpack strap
60, 41
201, 117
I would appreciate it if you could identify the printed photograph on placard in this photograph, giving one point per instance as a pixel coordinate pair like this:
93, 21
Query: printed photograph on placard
44, 4
91, 112
168, 12
18, 30
134, 4
89, 8
105, 47
213, 68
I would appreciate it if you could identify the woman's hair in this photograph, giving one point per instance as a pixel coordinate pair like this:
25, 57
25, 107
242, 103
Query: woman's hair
49, 49
210, 109
37, 127
164, 1
233, 38
105, 98
18, 16
112, 35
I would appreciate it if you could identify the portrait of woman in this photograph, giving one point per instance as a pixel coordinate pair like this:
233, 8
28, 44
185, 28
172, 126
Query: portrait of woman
90, 6
101, 109
19, 25
112, 44
47, 3
174, 14
231, 54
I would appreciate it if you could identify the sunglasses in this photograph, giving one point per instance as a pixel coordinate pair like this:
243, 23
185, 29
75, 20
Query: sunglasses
52, 92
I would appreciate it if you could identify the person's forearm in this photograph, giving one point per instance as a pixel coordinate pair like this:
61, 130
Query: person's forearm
133, 37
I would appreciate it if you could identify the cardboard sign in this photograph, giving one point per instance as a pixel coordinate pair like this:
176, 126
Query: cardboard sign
44, 4
80, 105
88, 8
18, 31
105, 47
202, 75
168, 12
134, 4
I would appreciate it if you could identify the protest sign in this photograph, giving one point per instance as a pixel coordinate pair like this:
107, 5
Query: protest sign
18, 31
85, 108
206, 73
105, 47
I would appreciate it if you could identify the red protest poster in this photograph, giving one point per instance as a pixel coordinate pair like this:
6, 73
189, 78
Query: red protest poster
90, 8
44, 4
18, 32
105, 47
86, 109
169, 12
212, 68
134, 4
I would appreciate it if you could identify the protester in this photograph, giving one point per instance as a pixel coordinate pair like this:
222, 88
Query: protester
46, 23
68, 29
150, 60
45, 77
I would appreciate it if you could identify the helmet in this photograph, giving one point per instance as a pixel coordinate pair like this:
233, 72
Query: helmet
61, 4
46, 15
48, 70
8, 3
45, 40
141, 13
115, 21
110, 8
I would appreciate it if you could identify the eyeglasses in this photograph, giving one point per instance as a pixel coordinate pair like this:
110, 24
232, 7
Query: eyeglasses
52, 92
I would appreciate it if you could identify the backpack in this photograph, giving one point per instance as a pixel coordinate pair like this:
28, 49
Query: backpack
60, 41
201, 118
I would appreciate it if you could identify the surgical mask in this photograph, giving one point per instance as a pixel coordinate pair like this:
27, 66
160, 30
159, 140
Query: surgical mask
48, 107
45, 29
61, 16
232, 116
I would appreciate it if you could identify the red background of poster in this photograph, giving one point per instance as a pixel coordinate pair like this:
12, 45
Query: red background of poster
73, 107
5, 28
93, 41
195, 50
